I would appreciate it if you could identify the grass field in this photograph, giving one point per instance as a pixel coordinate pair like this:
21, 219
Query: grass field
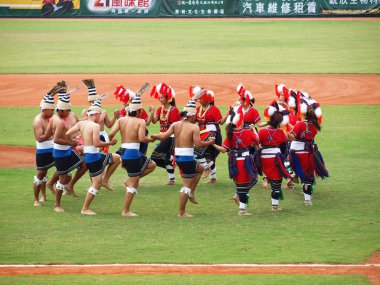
198, 46
343, 226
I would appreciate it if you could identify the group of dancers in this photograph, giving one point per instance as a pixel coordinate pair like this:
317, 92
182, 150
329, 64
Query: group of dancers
281, 147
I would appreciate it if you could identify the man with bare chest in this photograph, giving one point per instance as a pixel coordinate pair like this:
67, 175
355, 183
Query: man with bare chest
95, 161
44, 148
65, 157
187, 136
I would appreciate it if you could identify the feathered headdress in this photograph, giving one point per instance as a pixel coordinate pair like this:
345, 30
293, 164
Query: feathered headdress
306, 101
136, 104
244, 94
236, 116
275, 107
47, 103
281, 90
292, 100
190, 108
196, 91
63, 97
92, 94
123, 94
164, 90
96, 107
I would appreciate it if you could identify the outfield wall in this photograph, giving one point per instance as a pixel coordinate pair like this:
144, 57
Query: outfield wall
187, 8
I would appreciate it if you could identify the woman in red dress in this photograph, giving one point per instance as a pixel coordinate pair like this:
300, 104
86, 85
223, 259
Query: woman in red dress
241, 164
270, 157
305, 158
208, 118
166, 115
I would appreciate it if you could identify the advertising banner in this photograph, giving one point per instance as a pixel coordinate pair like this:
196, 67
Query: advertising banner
186, 8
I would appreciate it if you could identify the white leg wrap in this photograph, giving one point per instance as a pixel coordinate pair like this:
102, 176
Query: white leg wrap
169, 167
242, 206
37, 181
213, 173
93, 191
45, 179
185, 190
61, 187
132, 190
208, 165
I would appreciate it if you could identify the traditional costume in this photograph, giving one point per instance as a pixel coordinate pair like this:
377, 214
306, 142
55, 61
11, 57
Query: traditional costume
184, 157
241, 165
163, 153
96, 100
251, 115
208, 119
270, 157
65, 157
305, 158
132, 159
126, 96
95, 161
44, 150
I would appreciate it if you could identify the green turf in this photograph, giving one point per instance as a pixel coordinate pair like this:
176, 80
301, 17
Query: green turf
189, 46
185, 280
341, 227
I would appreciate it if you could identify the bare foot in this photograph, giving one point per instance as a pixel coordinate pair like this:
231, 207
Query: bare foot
308, 203
170, 182
185, 215
265, 183
236, 200
290, 184
276, 208
107, 186
211, 181
72, 193
128, 214
51, 188
206, 173
192, 199
43, 199
244, 213
58, 210
88, 212
36, 204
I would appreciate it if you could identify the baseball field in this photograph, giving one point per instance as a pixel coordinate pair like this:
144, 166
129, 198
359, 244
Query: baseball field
336, 241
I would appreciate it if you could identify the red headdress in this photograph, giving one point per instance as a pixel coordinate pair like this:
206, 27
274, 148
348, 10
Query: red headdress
244, 94
124, 95
282, 90
164, 90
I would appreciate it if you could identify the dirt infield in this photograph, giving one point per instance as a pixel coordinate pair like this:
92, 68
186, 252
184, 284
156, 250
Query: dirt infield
330, 89
370, 269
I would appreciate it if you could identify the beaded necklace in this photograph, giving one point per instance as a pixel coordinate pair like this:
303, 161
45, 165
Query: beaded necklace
201, 114
164, 117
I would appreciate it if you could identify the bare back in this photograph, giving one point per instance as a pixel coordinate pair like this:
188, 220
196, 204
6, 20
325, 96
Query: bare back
89, 130
185, 133
132, 129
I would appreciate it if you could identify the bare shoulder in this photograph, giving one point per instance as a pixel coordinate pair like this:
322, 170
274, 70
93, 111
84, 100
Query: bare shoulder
37, 118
